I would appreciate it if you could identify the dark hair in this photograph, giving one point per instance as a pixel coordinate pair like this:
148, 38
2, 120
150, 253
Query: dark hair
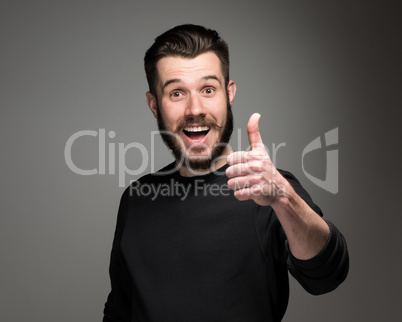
187, 41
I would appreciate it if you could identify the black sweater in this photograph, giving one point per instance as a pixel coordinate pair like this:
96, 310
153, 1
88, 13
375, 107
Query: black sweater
186, 250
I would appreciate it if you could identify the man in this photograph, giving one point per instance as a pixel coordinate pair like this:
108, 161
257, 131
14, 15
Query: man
216, 240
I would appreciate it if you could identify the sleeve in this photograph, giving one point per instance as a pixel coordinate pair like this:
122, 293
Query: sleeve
118, 304
326, 271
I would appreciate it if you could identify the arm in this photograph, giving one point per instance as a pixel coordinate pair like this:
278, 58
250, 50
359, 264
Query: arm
118, 305
328, 269
306, 232
252, 175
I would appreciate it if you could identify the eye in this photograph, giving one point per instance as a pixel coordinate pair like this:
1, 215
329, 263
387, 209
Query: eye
175, 94
209, 90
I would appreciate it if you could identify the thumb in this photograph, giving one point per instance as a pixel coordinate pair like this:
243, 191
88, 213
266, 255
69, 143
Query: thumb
253, 131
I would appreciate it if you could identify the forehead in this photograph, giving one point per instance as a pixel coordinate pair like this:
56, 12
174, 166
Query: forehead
189, 69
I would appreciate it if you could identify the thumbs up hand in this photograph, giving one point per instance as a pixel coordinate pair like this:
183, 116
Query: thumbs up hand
252, 175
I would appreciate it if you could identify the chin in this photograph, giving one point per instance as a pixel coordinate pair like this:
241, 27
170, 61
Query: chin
198, 162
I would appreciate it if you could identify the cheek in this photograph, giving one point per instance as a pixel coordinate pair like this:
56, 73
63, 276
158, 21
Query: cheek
170, 119
221, 117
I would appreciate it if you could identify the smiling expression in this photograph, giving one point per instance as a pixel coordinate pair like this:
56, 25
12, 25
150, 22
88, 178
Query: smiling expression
193, 108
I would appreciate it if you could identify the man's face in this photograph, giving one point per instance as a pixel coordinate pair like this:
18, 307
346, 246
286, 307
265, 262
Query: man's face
193, 108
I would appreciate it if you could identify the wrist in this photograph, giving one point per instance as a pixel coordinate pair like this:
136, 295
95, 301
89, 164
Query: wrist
285, 196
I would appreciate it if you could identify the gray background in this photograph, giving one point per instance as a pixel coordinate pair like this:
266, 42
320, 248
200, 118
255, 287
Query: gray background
307, 67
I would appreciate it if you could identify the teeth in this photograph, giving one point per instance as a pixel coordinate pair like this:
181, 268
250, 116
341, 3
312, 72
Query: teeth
196, 129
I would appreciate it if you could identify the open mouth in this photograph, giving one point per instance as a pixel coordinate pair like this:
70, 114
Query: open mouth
196, 133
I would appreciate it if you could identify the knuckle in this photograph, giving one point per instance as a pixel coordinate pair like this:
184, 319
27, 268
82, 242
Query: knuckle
255, 166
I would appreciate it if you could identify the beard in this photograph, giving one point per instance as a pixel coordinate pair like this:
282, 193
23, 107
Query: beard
171, 139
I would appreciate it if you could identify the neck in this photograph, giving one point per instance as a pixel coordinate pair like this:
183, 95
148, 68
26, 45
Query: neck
186, 172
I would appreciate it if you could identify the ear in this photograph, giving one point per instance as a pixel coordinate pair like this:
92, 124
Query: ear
231, 91
151, 101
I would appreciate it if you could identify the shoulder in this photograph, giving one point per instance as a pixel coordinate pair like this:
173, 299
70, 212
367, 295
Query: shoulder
289, 176
150, 180
158, 176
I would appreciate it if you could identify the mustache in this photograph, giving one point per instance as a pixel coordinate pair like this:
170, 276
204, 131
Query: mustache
200, 121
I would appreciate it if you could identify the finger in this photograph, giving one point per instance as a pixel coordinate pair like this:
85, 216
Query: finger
253, 131
258, 154
237, 170
237, 157
242, 182
243, 157
246, 194
253, 167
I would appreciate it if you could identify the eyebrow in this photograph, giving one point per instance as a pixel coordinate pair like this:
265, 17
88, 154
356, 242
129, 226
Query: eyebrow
170, 81
177, 80
212, 77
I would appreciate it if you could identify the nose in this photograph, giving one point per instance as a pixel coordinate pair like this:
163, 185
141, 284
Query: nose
194, 107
